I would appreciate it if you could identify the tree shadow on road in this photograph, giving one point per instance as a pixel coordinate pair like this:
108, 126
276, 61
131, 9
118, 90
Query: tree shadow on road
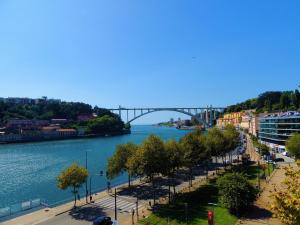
87, 213
258, 213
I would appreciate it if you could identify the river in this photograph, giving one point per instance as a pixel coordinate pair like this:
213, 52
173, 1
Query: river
28, 171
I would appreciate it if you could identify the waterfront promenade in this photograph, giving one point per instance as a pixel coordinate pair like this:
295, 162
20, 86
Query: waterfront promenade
103, 205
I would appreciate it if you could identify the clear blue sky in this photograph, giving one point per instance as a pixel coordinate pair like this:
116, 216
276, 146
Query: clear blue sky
149, 53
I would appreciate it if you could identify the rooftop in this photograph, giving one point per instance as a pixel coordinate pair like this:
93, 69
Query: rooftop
287, 114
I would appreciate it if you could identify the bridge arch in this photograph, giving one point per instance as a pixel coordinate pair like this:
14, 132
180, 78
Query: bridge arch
200, 120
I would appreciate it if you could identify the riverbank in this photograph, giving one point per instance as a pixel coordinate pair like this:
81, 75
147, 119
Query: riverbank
178, 127
29, 170
47, 213
13, 139
84, 213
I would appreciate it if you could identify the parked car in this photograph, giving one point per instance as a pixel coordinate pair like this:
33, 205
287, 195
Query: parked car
279, 160
103, 220
235, 161
285, 153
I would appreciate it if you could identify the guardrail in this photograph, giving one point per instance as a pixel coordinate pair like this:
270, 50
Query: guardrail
20, 208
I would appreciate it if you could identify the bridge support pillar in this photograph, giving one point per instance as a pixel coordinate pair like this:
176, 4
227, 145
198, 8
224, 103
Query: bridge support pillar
210, 117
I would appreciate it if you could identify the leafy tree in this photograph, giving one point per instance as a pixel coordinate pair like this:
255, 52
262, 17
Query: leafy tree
263, 149
285, 100
268, 106
296, 101
287, 201
215, 143
104, 124
118, 163
72, 177
269, 101
174, 153
154, 156
269, 96
135, 163
237, 194
293, 145
231, 137
193, 145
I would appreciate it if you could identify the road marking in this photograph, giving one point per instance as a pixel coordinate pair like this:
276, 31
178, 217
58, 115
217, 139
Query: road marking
122, 205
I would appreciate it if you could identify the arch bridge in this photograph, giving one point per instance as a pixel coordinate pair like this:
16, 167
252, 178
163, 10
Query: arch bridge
204, 115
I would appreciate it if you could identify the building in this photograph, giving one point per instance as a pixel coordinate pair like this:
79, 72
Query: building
50, 130
67, 132
86, 117
18, 124
234, 118
275, 129
254, 125
59, 121
245, 122
17, 100
29, 101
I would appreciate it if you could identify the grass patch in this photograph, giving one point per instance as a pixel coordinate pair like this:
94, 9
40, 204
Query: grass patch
197, 209
197, 217
198, 200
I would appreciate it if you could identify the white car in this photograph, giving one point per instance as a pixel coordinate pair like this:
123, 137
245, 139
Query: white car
285, 153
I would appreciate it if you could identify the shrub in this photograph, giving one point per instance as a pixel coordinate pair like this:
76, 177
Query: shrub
237, 194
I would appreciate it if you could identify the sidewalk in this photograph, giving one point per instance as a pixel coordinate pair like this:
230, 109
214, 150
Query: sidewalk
43, 215
47, 213
261, 214
254, 156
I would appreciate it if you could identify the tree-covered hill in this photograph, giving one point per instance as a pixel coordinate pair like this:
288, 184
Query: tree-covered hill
47, 111
269, 102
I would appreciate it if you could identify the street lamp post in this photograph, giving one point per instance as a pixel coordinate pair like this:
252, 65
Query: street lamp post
100, 174
137, 208
115, 204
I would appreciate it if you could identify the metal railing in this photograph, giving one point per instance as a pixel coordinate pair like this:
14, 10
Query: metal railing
22, 207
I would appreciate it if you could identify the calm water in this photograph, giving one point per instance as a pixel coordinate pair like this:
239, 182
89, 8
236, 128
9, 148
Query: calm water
28, 171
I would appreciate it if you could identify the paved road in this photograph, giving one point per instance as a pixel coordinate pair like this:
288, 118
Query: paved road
286, 158
125, 203
87, 214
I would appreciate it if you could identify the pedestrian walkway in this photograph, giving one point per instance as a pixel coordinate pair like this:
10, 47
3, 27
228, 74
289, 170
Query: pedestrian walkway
261, 214
123, 204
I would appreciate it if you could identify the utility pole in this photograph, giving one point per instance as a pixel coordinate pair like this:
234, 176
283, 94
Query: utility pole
115, 204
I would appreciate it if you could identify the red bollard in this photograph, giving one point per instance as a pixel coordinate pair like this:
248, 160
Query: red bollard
210, 217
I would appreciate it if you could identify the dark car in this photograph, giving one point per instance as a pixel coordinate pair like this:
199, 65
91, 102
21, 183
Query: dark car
235, 160
103, 220
279, 160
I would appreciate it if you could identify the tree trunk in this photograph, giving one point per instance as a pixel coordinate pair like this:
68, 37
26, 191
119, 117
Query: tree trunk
206, 170
191, 174
173, 182
169, 184
74, 197
216, 158
153, 188
129, 184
